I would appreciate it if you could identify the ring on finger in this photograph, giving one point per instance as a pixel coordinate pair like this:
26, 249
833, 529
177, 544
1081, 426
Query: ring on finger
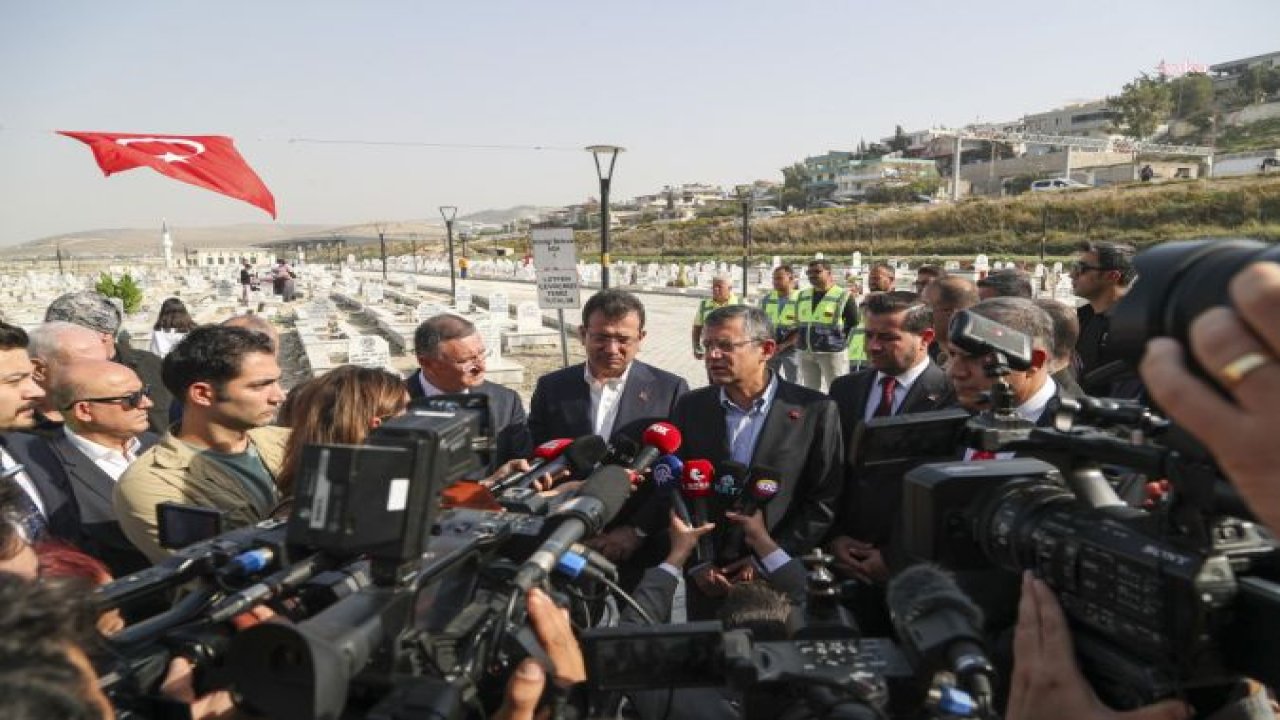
1234, 372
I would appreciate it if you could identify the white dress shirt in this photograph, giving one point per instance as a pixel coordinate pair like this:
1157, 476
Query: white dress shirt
429, 390
109, 460
1031, 410
606, 396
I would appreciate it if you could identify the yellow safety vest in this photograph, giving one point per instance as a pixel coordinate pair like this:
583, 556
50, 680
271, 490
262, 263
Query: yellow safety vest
709, 304
781, 312
822, 327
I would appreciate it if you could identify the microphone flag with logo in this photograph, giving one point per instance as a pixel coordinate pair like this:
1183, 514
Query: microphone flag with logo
207, 161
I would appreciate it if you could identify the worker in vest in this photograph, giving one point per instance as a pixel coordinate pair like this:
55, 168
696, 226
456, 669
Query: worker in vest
463, 264
780, 306
857, 336
826, 315
721, 295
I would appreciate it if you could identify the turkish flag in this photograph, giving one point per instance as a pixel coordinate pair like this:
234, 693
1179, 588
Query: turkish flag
210, 161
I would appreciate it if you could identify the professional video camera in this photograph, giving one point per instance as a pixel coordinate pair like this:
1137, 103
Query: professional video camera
1179, 597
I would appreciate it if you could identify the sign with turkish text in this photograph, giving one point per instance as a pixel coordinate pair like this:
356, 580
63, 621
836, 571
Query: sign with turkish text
556, 259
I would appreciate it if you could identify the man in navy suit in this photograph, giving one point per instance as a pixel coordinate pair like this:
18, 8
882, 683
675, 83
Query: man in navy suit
451, 359
105, 406
45, 504
902, 379
611, 395
751, 416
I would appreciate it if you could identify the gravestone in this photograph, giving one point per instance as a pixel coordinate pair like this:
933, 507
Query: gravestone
491, 333
428, 310
499, 305
372, 292
369, 351
528, 317
463, 302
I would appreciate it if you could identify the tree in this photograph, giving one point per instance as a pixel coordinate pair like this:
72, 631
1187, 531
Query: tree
794, 178
1257, 82
125, 289
900, 141
1142, 106
1192, 95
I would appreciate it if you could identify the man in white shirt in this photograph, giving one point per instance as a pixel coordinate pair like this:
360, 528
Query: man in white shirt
54, 346
105, 406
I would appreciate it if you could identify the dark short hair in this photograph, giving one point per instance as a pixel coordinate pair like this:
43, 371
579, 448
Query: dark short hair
932, 271
824, 264
758, 607
614, 304
1019, 314
440, 329
12, 337
1009, 282
892, 270
786, 269
1066, 326
955, 291
1111, 256
39, 623
918, 316
212, 354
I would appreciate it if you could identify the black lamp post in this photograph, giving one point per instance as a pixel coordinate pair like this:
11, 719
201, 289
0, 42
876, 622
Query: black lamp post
745, 197
449, 212
606, 177
382, 252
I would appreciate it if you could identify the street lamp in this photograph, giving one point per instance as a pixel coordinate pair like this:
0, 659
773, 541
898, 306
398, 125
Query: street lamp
745, 195
449, 212
606, 176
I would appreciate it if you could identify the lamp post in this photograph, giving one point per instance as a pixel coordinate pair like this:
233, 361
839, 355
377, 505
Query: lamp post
606, 177
449, 212
745, 197
382, 251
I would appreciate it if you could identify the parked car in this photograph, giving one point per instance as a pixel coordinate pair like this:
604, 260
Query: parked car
764, 212
1053, 184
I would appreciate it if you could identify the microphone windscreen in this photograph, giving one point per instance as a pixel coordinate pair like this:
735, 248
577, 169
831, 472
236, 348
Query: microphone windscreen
921, 589
586, 452
611, 485
667, 472
696, 481
664, 436
764, 483
551, 449
731, 478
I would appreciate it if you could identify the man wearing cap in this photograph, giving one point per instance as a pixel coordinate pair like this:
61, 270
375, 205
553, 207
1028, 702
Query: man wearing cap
97, 312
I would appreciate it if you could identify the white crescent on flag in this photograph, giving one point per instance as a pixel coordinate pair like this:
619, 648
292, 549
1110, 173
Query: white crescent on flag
168, 157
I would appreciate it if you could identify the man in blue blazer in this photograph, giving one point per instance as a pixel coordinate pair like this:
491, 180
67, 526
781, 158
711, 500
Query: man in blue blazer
451, 359
611, 395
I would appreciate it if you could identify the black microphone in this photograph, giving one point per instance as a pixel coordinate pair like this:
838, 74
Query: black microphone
938, 624
552, 456
731, 478
762, 484
598, 501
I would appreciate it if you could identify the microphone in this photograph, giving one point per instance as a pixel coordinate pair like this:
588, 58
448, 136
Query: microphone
939, 624
667, 472
660, 438
695, 486
598, 501
552, 456
761, 485
731, 478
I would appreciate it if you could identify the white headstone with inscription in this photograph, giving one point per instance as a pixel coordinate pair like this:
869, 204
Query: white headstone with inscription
369, 351
528, 317
428, 310
499, 305
463, 302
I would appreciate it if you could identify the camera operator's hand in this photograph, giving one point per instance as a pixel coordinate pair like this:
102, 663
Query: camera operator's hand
179, 684
684, 540
1240, 347
740, 571
524, 690
555, 634
618, 544
1047, 684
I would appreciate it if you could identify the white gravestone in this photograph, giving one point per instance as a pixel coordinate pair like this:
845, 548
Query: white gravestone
369, 351
528, 317
463, 303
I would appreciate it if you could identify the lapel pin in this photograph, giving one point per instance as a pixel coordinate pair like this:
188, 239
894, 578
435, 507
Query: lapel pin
794, 414
644, 396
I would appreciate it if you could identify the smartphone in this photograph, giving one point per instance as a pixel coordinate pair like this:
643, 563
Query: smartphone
183, 525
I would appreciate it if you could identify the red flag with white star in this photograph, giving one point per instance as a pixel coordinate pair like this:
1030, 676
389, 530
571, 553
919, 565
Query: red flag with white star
209, 161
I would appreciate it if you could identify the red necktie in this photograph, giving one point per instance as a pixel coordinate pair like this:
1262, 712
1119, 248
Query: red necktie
983, 455
885, 408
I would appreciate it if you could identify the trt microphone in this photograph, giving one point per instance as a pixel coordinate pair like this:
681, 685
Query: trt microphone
761, 485
731, 478
596, 504
695, 485
939, 624
660, 438
551, 457
667, 472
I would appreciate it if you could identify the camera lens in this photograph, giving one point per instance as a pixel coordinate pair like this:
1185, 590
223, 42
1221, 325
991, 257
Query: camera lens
1009, 521
1176, 282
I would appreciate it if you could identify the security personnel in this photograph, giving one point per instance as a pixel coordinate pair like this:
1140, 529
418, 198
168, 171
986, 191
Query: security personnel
780, 305
826, 314
721, 295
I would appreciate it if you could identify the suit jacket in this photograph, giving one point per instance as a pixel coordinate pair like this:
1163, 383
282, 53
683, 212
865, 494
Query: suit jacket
51, 482
869, 503
561, 403
147, 366
506, 419
93, 489
800, 440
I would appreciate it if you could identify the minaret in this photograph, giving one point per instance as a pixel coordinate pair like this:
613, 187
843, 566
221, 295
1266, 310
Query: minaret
166, 243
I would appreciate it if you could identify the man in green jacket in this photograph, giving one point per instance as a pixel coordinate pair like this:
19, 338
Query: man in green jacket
224, 455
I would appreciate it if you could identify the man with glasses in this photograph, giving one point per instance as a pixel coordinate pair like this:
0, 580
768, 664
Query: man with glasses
612, 395
224, 454
105, 409
826, 315
749, 415
451, 360
1101, 275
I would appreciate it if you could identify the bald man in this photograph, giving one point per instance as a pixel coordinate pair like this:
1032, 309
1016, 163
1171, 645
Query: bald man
105, 409
55, 346
257, 323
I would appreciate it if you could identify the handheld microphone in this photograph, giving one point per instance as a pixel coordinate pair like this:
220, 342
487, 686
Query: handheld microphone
939, 624
761, 485
596, 504
695, 486
667, 472
731, 478
660, 438
549, 458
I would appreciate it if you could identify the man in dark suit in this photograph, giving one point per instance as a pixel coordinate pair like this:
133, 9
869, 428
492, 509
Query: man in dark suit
902, 379
611, 395
45, 504
105, 409
451, 359
750, 416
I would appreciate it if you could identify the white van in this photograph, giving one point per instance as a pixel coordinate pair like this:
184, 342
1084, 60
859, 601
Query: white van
1056, 184
764, 212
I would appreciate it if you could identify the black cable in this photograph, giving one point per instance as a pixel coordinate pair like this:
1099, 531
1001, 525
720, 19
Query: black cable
629, 600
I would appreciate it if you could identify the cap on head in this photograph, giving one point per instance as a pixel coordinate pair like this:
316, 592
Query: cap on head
87, 308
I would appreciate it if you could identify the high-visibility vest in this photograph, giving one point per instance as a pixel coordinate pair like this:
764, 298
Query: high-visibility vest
822, 327
709, 304
781, 312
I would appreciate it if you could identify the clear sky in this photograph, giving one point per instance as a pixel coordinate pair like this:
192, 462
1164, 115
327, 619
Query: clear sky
696, 90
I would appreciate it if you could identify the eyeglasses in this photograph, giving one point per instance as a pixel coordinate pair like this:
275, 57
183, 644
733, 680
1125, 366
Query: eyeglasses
476, 359
1079, 268
132, 401
724, 347
602, 339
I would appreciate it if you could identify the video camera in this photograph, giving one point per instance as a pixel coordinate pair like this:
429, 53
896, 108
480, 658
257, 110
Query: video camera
1179, 597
